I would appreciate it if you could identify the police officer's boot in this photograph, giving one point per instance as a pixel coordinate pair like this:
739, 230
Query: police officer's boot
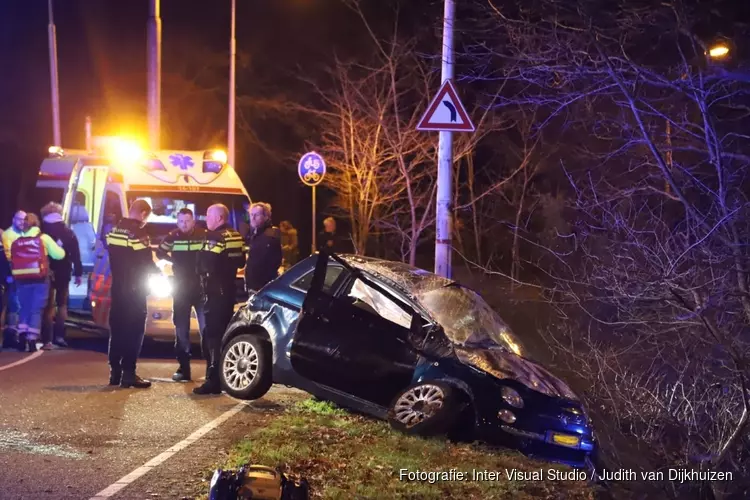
114, 376
183, 372
133, 380
211, 385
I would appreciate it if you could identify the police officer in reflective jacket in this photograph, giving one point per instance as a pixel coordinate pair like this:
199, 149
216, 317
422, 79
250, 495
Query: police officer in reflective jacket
181, 247
131, 261
222, 255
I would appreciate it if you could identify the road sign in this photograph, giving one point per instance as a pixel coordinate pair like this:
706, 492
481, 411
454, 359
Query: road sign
446, 112
311, 169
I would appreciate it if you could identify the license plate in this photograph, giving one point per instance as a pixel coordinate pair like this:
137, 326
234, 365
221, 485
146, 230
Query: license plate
565, 440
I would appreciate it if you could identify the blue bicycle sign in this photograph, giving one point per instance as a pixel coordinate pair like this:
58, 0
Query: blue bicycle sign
311, 169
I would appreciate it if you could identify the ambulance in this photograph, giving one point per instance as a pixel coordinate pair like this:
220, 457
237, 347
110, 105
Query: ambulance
96, 187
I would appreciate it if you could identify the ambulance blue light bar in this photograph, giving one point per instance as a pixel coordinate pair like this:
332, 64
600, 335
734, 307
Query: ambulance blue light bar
214, 161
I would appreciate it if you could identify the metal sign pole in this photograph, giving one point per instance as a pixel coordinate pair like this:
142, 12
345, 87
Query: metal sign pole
311, 170
314, 230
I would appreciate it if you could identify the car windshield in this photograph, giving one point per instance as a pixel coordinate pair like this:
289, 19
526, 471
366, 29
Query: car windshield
468, 320
166, 205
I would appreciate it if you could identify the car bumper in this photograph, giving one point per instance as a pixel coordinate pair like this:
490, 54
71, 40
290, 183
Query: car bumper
160, 324
571, 445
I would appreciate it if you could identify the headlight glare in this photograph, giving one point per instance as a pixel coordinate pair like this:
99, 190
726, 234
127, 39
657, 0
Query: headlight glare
159, 286
512, 397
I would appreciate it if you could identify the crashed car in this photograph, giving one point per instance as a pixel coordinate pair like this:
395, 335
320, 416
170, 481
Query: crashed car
401, 344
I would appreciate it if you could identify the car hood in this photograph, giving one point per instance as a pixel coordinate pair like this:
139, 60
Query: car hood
507, 365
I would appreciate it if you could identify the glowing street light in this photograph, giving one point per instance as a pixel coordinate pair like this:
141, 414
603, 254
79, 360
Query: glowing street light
718, 51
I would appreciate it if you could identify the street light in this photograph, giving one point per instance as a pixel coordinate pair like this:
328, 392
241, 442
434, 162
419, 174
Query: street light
718, 51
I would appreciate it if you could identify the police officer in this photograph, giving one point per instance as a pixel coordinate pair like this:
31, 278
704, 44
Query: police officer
218, 261
131, 261
180, 247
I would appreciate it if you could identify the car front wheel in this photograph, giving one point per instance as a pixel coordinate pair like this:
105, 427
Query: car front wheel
246, 367
426, 409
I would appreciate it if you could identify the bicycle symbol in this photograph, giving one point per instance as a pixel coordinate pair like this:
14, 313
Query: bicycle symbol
312, 169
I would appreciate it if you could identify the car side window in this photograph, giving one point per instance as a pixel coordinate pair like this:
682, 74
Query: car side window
332, 276
373, 301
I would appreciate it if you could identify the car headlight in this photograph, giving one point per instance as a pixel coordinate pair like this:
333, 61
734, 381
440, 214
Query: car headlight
511, 397
159, 286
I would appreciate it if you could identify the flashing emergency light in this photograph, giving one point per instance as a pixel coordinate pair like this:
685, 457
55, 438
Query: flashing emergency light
214, 161
125, 151
219, 155
56, 151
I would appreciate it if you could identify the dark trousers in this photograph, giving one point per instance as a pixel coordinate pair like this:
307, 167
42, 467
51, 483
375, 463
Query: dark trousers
182, 305
56, 311
127, 326
219, 310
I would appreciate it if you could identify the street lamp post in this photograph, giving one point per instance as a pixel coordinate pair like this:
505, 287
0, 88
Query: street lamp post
55, 89
154, 75
232, 87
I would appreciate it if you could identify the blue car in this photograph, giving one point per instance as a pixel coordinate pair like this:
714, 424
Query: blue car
404, 345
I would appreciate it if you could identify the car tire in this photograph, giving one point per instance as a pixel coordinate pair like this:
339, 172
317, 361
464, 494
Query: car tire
242, 355
426, 409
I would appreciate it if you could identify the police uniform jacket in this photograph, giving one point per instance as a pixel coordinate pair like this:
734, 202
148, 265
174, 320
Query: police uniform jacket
218, 261
130, 258
182, 251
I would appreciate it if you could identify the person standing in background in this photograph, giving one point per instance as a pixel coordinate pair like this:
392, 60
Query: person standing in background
5, 279
11, 299
56, 312
131, 261
220, 257
264, 248
289, 244
329, 239
29, 262
181, 247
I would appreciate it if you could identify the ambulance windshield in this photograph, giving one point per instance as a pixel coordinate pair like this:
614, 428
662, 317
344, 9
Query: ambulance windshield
167, 205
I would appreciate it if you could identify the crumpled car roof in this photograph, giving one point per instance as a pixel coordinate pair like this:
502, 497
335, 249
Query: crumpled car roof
409, 279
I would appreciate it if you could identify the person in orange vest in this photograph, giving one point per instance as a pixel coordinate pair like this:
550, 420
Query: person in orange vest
29, 254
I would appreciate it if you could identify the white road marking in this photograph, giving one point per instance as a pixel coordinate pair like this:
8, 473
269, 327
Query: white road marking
123, 482
21, 361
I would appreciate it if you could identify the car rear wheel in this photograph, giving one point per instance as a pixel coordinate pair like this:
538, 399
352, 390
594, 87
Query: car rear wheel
246, 367
427, 409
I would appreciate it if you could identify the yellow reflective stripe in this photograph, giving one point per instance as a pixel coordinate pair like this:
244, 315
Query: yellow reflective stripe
184, 246
18, 272
217, 248
137, 245
234, 243
118, 242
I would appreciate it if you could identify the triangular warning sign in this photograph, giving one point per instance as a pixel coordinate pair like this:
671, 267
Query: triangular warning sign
446, 112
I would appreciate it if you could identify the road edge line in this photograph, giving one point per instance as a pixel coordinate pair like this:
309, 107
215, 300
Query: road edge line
159, 459
21, 361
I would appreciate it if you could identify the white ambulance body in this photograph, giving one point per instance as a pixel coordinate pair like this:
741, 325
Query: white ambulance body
96, 189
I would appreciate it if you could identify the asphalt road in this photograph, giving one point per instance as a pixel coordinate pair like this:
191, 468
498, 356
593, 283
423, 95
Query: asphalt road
64, 433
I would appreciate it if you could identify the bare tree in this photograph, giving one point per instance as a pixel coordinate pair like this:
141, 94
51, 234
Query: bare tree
656, 292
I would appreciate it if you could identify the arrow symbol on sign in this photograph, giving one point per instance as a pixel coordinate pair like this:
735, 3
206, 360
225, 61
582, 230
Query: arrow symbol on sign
452, 109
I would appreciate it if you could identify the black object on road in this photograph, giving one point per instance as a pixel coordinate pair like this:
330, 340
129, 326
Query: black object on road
257, 482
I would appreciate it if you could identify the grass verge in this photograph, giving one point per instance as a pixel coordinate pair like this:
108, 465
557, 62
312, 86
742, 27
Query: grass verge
345, 456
